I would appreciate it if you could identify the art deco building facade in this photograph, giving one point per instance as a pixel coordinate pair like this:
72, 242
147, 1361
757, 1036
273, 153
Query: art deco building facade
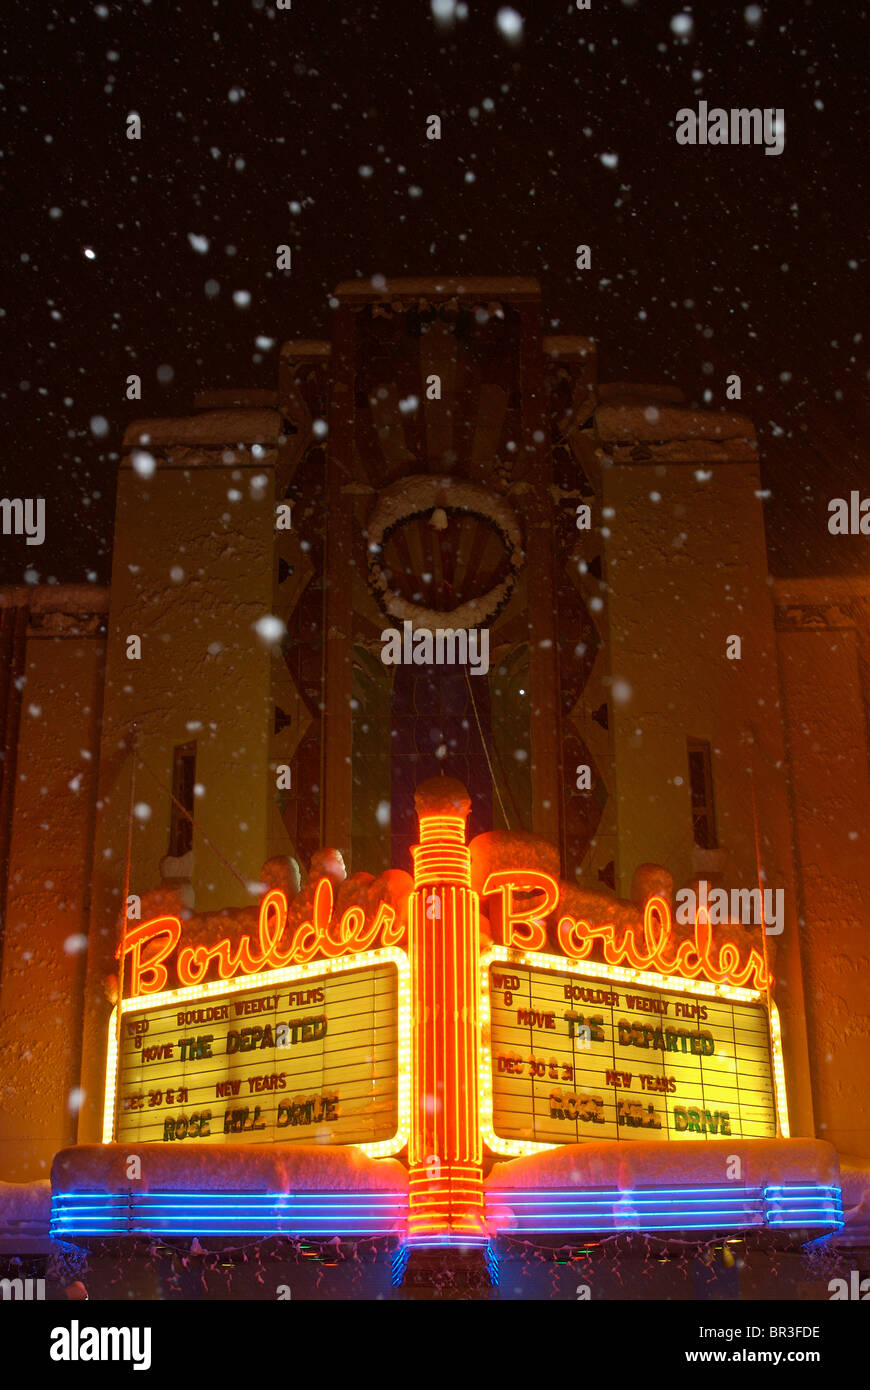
435, 455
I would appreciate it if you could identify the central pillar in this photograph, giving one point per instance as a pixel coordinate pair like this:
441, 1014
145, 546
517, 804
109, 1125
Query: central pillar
445, 1150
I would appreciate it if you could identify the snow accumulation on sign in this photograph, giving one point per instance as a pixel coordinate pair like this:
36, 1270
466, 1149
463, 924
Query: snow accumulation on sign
577, 1058
312, 1060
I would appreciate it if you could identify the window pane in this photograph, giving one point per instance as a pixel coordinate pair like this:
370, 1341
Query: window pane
701, 794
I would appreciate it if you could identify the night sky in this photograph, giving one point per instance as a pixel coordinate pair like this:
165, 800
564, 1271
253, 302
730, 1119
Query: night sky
308, 127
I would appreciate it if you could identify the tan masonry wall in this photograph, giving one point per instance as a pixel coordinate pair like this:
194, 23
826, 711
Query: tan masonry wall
192, 574
685, 571
823, 632
47, 901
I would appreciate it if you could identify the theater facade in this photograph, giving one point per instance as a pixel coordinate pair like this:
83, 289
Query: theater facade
320, 927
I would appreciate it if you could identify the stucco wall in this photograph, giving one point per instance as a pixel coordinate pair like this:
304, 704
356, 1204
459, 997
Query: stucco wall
686, 569
47, 902
192, 574
831, 781
684, 573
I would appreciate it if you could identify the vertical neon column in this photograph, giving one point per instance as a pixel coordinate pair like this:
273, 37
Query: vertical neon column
445, 1151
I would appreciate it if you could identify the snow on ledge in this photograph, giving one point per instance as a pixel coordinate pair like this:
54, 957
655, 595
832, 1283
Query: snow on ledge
658, 423
651, 1163
855, 1178
443, 287
210, 427
226, 1168
24, 1207
56, 598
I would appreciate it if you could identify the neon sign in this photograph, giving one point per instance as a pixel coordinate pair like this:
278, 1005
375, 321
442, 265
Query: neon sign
445, 1148
322, 936
492, 1049
523, 928
518, 924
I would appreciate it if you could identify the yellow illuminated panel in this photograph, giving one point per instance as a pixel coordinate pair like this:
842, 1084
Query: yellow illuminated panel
310, 1054
617, 1053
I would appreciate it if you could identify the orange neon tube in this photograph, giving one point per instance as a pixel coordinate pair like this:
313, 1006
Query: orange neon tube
445, 1150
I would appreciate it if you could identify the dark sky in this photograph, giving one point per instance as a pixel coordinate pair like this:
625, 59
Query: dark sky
256, 124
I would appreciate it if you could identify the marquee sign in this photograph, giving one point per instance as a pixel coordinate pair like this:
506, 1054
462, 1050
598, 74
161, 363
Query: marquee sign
148, 949
652, 947
620, 1055
309, 1055
386, 1026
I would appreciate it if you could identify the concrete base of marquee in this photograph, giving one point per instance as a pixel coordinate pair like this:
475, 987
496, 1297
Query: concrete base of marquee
226, 1191
646, 1187
245, 1221
238, 1167
327, 1192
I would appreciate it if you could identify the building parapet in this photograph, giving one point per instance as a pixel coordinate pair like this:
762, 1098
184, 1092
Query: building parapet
656, 433
214, 428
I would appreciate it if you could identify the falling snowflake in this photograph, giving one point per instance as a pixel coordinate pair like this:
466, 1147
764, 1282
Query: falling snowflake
510, 24
76, 1099
269, 628
143, 463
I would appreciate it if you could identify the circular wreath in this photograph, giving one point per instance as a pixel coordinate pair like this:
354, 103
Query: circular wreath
422, 493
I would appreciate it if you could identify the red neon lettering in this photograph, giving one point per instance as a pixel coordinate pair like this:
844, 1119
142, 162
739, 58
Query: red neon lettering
150, 975
311, 936
151, 943
691, 959
523, 927
273, 920
520, 923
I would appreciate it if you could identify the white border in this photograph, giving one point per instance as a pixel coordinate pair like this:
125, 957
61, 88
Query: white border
614, 974
215, 989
